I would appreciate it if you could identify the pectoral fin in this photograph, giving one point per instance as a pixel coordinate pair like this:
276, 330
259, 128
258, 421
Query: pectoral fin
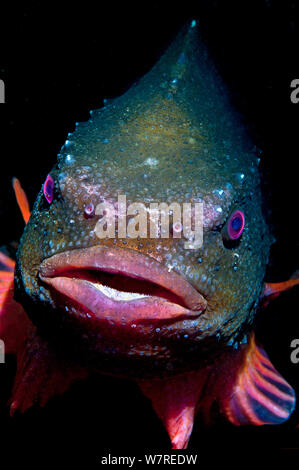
41, 374
273, 289
41, 371
14, 323
260, 395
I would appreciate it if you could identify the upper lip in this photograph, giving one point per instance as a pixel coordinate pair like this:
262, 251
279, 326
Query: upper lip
66, 271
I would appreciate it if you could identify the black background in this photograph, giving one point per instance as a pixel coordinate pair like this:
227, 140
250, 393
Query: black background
58, 62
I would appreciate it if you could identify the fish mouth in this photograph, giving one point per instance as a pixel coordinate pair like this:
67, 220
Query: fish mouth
122, 286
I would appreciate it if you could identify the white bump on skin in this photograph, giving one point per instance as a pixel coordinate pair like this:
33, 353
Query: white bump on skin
152, 162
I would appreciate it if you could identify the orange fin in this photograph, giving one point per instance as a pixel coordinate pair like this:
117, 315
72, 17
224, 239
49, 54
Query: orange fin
21, 199
260, 395
273, 289
175, 400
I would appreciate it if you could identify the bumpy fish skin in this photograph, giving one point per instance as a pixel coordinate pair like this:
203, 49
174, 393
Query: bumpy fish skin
172, 137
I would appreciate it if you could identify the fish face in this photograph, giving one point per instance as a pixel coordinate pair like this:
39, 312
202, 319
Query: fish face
143, 301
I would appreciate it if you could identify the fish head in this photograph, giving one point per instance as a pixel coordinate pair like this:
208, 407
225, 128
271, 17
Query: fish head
136, 293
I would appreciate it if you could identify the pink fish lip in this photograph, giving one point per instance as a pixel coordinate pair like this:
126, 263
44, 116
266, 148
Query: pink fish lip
165, 295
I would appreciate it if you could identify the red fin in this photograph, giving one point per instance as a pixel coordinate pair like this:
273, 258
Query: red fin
14, 322
21, 199
273, 289
175, 400
260, 395
41, 374
6, 263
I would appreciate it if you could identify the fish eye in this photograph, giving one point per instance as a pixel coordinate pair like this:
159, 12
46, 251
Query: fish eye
234, 227
48, 189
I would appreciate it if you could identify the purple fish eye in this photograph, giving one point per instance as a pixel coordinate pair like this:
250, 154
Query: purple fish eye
235, 225
48, 188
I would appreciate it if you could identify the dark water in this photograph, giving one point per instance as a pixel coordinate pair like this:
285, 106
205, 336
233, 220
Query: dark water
59, 63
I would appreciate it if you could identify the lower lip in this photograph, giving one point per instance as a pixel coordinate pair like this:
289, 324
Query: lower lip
124, 313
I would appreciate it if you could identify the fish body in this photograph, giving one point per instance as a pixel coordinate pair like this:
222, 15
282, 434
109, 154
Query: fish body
177, 320
173, 137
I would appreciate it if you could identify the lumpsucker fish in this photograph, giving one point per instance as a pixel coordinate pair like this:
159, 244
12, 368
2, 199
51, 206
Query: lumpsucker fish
176, 320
